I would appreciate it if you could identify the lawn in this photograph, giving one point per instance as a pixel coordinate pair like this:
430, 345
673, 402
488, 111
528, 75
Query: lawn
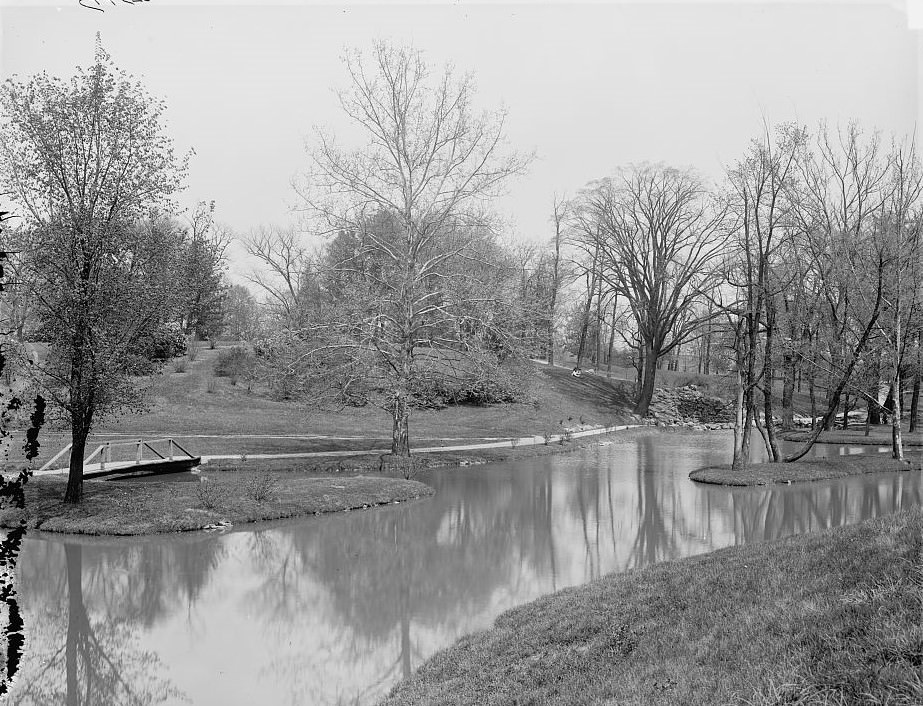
129, 507
798, 471
879, 435
829, 618
208, 415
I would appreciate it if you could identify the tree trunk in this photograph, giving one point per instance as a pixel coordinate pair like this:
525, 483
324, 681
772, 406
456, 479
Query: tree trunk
897, 441
74, 492
769, 434
615, 303
600, 315
400, 428
914, 403
788, 393
813, 398
647, 382
889, 404
585, 323
741, 454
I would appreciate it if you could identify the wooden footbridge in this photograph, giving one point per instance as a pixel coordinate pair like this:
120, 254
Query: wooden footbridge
118, 458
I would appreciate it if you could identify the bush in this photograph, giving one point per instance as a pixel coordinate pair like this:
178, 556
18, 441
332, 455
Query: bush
492, 383
210, 493
234, 363
165, 342
260, 487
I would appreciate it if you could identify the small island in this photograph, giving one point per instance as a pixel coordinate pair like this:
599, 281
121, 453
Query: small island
213, 501
798, 471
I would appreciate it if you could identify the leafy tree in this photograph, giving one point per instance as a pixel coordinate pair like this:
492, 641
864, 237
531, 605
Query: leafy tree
89, 163
205, 265
241, 313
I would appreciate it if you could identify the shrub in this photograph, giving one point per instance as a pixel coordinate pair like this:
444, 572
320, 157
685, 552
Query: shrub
489, 383
260, 487
210, 493
164, 342
234, 363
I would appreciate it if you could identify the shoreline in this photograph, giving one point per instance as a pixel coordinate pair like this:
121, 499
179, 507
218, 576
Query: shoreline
759, 474
795, 620
210, 502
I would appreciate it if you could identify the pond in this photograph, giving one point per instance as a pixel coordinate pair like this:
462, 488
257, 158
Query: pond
335, 610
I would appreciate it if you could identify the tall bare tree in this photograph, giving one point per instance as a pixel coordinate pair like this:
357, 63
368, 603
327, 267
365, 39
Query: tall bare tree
661, 233
429, 165
760, 185
559, 217
287, 273
840, 209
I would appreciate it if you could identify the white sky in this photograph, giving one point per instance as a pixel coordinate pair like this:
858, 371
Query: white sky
588, 87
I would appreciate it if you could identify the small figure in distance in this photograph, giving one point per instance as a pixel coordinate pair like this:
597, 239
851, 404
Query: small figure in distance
576, 372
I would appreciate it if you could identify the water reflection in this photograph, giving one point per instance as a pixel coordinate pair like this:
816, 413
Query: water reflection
335, 610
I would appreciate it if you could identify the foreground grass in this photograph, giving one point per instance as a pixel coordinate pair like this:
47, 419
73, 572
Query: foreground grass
148, 507
829, 618
798, 471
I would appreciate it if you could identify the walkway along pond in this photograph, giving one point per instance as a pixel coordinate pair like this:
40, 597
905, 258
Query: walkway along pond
335, 610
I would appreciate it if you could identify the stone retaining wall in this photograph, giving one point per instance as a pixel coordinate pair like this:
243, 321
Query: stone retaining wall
689, 407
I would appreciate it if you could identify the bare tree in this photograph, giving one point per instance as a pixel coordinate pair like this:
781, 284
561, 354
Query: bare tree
759, 188
660, 234
559, 216
840, 209
901, 224
287, 270
429, 166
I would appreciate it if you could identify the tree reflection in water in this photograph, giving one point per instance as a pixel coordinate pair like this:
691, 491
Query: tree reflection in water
335, 610
99, 661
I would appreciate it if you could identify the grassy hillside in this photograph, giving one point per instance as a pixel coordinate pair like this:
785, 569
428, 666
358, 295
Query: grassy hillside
202, 411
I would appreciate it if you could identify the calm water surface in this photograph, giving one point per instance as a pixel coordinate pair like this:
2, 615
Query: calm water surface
336, 610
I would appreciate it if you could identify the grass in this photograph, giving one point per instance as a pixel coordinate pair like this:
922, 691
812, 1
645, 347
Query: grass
798, 471
130, 507
878, 436
829, 618
179, 405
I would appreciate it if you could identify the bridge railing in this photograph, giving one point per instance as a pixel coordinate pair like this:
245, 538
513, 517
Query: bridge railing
104, 452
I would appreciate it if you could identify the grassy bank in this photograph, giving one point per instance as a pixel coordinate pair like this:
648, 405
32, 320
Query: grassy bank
829, 618
878, 436
131, 507
798, 471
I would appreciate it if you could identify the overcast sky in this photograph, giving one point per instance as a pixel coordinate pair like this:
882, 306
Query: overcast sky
587, 87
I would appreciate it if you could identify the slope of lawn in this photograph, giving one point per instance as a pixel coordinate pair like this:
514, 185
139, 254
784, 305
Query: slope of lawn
208, 415
828, 618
